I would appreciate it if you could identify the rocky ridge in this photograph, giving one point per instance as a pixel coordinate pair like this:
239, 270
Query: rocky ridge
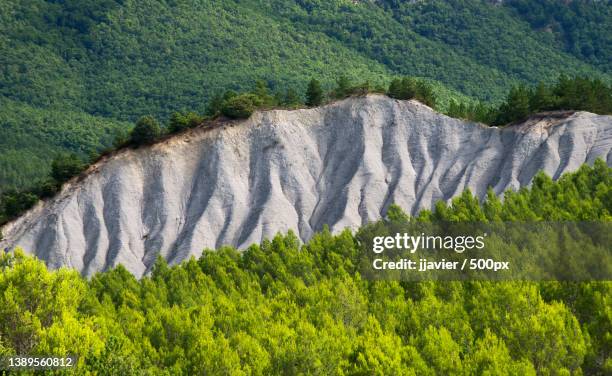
340, 165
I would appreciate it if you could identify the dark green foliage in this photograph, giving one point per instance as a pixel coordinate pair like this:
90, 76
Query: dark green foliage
425, 94
343, 87
262, 91
214, 106
411, 88
577, 93
314, 94
83, 71
29, 136
404, 88
241, 106
283, 308
65, 166
13, 203
180, 121
541, 99
478, 111
46, 188
570, 94
146, 131
582, 93
516, 106
472, 46
291, 99
581, 26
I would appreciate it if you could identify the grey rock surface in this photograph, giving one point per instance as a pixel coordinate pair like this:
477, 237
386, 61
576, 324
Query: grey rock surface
340, 165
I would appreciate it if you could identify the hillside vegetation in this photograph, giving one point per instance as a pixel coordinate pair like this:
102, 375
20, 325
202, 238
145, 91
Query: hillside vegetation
285, 308
93, 65
521, 102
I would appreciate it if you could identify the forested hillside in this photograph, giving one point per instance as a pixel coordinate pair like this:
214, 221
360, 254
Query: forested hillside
285, 308
84, 67
582, 27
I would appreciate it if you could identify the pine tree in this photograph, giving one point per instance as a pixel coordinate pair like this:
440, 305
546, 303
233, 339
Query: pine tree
263, 92
343, 87
66, 166
147, 129
541, 98
314, 94
516, 106
425, 94
395, 88
291, 98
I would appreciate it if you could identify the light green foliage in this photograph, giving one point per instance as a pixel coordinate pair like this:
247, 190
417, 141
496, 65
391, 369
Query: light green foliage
39, 310
583, 195
285, 308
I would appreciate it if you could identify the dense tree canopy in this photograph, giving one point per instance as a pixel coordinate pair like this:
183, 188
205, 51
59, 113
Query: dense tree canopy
76, 73
569, 94
579, 25
66, 166
146, 130
285, 308
409, 88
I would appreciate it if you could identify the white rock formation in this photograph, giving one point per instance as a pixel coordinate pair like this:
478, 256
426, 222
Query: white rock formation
340, 165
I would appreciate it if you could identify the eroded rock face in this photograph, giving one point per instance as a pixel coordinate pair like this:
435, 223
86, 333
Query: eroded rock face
340, 165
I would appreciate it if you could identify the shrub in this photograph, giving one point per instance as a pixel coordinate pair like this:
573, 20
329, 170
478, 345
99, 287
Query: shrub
147, 130
241, 106
180, 121
45, 188
425, 94
15, 203
405, 88
65, 166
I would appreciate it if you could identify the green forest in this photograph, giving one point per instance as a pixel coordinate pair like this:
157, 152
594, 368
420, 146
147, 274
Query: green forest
76, 73
80, 79
287, 308
567, 94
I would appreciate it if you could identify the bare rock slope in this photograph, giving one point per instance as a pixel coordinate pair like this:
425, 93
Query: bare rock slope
340, 165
